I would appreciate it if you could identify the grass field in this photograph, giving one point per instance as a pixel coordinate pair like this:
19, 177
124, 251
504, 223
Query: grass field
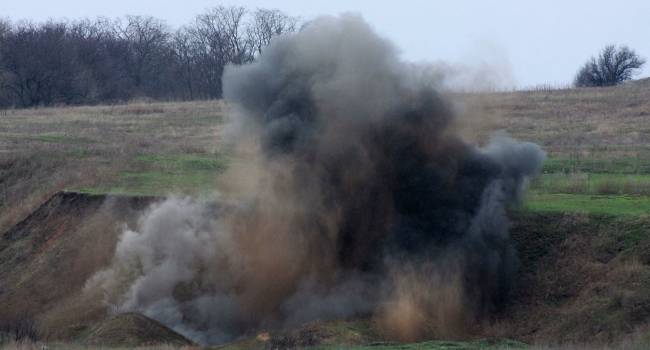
616, 186
157, 174
591, 204
138, 148
598, 142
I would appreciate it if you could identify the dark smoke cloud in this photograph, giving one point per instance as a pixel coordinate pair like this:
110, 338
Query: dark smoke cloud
357, 198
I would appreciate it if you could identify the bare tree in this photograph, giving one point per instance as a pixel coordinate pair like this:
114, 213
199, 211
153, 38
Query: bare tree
231, 21
267, 24
184, 49
95, 68
147, 38
5, 28
107, 60
40, 64
219, 41
613, 66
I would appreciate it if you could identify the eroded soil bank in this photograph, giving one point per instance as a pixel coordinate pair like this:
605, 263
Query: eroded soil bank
583, 278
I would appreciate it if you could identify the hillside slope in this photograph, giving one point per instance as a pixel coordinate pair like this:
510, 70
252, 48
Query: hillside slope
583, 237
583, 278
46, 258
133, 330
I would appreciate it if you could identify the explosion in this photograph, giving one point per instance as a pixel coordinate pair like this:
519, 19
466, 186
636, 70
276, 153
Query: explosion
354, 197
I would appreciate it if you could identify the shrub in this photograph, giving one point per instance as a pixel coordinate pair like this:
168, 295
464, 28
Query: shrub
613, 66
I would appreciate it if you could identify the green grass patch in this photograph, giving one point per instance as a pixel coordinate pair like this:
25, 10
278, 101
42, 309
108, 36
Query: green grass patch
184, 162
159, 175
58, 138
593, 183
615, 186
156, 183
592, 204
622, 165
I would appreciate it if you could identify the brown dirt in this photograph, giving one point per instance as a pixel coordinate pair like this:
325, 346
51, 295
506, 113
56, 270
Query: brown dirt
48, 256
132, 330
583, 279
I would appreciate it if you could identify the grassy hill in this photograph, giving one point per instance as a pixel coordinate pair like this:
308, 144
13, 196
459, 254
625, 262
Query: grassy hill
139, 148
583, 231
598, 142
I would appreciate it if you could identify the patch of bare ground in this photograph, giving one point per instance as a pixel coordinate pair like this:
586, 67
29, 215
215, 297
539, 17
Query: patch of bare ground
46, 259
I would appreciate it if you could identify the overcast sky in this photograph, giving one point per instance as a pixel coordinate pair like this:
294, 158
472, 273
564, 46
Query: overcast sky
536, 42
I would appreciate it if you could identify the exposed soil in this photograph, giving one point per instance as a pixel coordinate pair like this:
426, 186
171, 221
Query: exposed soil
583, 278
133, 330
49, 255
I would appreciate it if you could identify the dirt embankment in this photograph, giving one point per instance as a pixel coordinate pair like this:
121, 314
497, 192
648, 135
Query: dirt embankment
133, 330
582, 279
48, 256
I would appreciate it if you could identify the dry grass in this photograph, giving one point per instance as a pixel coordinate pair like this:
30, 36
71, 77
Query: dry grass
47, 260
602, 122
45, 150
584, 279
593, 184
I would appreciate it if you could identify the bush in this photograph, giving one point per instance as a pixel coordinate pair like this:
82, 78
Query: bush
613, 66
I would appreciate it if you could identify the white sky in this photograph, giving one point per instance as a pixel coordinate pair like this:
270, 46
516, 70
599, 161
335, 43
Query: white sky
540, 42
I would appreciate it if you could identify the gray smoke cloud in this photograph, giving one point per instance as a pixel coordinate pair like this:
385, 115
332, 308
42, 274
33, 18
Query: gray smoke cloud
356, 198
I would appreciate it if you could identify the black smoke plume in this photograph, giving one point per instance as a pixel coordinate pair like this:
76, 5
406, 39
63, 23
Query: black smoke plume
354, 196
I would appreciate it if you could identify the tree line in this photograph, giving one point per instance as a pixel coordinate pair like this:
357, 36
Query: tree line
112, 60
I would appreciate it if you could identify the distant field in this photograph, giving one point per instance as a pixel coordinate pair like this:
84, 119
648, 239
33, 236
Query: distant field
598, 142
138, 148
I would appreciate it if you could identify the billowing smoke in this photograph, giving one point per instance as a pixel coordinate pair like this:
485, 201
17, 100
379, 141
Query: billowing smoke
353, 197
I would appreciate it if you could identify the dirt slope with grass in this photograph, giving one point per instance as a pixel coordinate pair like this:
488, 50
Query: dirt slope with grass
133, 330
583, 232
144, 148
584, 278
46, 258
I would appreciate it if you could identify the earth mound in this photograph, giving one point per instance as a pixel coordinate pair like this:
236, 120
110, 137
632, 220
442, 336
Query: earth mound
133, 330
583, 279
